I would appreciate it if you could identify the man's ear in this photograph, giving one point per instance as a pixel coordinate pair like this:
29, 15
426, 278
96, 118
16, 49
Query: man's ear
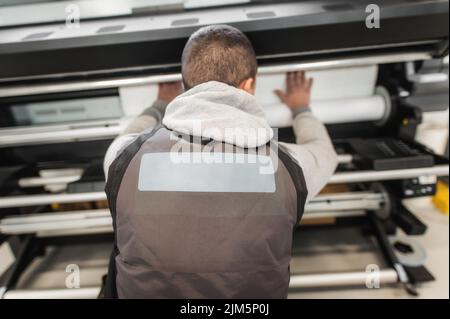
248, 85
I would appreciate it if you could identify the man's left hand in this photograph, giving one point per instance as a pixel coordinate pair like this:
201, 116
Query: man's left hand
298, 90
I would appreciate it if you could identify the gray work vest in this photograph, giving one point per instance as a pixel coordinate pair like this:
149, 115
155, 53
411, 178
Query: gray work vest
201, 229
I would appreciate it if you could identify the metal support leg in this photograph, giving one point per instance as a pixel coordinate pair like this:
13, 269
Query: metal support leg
23, 258
389, 254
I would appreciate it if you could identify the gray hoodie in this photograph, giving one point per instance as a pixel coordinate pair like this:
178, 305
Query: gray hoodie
214, 109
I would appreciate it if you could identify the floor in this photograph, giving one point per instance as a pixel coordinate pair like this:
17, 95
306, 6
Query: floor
52, 271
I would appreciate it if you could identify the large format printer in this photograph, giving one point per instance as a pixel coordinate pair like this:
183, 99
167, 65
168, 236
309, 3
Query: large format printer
66, 93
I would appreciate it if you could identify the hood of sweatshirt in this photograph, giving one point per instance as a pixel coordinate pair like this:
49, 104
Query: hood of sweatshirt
220, 112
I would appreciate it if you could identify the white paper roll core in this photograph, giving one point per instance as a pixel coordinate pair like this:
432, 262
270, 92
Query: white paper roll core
371, 108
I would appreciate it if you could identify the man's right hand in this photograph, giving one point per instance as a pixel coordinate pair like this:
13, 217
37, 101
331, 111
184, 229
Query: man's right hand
298, 90
168, 91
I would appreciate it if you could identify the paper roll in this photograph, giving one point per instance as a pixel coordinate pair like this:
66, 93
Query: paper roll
338, 96
328, 84
366, 109
372, 108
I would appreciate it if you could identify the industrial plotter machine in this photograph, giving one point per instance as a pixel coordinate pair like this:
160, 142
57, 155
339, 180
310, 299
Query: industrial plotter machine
66, 93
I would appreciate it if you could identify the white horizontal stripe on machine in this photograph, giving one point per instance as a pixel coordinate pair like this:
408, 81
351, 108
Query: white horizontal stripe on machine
386, 276
55, 217
74, 293
346, 201
42, 181
345, 62
75, 232
306, 66
42, 128
372, 176
63, 135
333, 214
46, 199
56, 222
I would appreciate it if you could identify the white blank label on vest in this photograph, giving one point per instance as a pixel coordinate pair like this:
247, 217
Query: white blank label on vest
207, 172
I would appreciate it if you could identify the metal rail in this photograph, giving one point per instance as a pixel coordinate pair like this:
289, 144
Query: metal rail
46, 199
63, 135
372, 176
386, 276
346, 202
142, 80
76, 293
53, 222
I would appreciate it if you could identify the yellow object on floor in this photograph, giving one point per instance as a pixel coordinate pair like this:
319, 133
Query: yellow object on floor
441, 197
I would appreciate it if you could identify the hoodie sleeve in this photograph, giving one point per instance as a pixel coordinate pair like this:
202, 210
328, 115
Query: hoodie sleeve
150, 118
314, 151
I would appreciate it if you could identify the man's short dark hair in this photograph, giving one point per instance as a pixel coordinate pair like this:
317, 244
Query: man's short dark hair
218, 53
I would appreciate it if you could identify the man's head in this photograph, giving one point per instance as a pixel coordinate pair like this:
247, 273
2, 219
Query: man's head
219, 53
